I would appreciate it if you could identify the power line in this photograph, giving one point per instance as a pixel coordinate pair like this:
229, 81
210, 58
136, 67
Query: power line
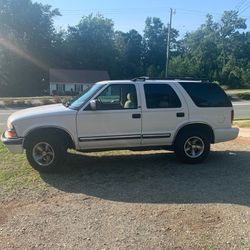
240, 4
246, 7
140, 11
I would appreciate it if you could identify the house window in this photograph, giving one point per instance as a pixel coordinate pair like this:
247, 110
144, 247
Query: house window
77, 88
60, 87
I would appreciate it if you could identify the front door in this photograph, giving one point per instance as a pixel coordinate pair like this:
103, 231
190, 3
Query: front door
116, 122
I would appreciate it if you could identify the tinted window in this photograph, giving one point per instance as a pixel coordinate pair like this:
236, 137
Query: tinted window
117, 96
161, 96
207, 94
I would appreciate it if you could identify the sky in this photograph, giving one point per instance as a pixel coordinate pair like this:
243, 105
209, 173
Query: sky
131, 14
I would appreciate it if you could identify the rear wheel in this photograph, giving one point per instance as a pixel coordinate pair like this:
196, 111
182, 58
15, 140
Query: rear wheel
192, 147
46, 154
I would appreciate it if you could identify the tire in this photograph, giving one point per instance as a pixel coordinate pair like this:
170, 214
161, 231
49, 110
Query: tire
192, 147
46, 153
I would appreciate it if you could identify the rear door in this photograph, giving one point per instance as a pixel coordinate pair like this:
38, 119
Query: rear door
208, 103
163, 111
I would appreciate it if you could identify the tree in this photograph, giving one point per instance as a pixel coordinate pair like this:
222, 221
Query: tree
90, 44
230, 39
128, 62
200, 50
27, 33
154, 46
216, 51
30, 45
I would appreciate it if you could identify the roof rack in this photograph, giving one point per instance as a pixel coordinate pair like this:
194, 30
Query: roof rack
140, 78
144, 78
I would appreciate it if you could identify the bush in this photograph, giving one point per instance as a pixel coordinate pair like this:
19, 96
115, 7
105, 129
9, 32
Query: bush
19, 103
46, 101
28, 103
54, 92
8, 102
244, 96
14, 103
57, 99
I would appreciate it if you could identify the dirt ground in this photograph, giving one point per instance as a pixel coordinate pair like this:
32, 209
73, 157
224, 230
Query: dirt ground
136, 200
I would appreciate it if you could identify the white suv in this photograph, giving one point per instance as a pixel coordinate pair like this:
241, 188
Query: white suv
181, 115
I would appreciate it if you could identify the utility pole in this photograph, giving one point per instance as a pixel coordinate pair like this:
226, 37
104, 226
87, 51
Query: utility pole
168, 41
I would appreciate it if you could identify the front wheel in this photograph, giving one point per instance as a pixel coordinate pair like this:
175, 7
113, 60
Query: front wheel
192, 147
46, 154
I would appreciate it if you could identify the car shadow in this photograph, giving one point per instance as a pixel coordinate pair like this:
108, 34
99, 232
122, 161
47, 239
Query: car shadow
157, 178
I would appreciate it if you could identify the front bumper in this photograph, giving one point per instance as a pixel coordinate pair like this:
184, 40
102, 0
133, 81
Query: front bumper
15, 145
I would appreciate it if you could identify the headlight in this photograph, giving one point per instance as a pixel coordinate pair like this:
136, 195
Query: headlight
9, 126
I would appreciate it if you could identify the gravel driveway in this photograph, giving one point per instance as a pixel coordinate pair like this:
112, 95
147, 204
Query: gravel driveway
136, 200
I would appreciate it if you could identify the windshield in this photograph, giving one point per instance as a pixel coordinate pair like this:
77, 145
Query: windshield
85, 96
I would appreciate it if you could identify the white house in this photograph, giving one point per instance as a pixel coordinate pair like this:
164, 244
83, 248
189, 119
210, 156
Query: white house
63, 81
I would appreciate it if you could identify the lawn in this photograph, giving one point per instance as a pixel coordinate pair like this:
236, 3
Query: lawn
240, 94
237, 91
16, 174
242, 123
32, 101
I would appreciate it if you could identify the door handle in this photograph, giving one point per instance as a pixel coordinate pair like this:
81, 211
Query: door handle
136, 116
180, 114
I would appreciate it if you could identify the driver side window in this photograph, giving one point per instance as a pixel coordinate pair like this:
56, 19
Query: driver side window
117, 96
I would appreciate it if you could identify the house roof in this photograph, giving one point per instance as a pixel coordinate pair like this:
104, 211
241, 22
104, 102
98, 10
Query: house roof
77, 76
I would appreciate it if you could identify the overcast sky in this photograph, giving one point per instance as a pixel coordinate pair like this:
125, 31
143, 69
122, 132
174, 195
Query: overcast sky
131, 14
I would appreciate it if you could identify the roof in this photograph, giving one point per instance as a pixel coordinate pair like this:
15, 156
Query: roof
77, 76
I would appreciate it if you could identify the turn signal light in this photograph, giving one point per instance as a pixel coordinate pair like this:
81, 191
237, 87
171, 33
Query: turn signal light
10, 134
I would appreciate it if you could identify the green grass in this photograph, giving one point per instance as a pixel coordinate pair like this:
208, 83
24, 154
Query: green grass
37, 98
243, 94
31, 101
242, 123
210, 247
237, 91
16, 174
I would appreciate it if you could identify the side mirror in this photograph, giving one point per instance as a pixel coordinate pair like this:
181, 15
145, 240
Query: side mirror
93, 104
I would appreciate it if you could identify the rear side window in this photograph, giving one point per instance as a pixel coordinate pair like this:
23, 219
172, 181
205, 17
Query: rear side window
206, 94
161, 96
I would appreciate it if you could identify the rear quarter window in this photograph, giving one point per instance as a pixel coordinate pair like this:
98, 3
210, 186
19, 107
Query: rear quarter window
206, 94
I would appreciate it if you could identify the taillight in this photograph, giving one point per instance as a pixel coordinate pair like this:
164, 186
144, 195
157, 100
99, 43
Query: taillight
232, 116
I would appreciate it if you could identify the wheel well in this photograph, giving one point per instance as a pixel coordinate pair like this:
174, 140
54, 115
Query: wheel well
197, 127
48, 132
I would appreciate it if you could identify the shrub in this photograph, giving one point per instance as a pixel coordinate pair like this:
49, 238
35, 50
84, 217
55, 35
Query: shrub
8, 102
46, 101
19, 103
57, 99
28, 103
244, 96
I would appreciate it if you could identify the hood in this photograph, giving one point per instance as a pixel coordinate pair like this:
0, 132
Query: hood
41, 111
